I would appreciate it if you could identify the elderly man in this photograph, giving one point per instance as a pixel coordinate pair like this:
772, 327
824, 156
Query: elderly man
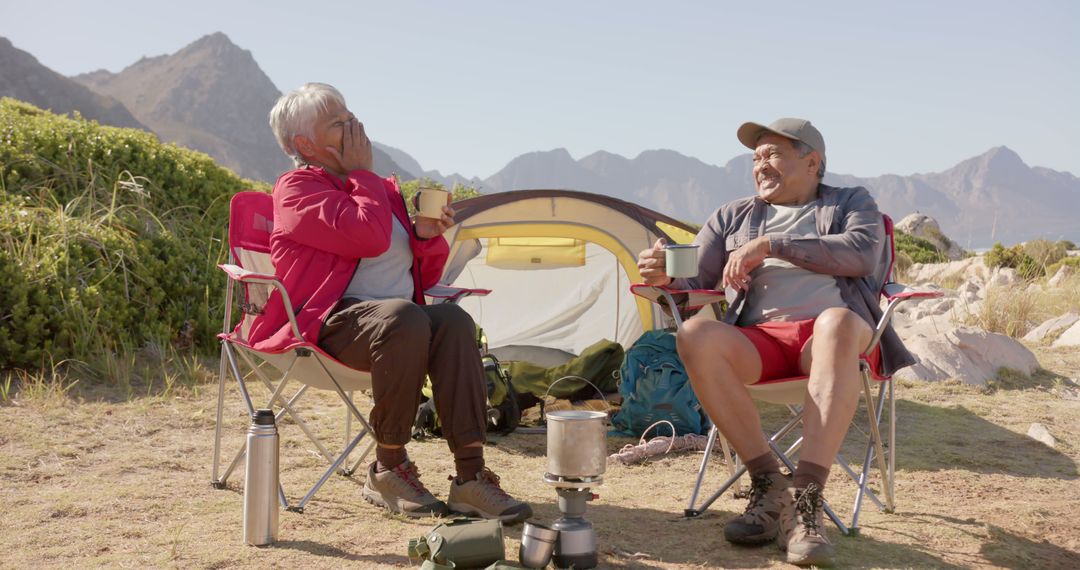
356, 266
796, 254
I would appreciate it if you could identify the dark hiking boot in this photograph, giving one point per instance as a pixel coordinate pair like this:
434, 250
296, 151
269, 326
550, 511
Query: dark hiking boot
485, 498
760, 522
802, 532
400, 490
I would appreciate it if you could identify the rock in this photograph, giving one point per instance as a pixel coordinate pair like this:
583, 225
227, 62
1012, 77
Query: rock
925, 227
1038, 432
1071, 337
1002, 277
970, 269
970, 291
970, 355
1063, 273
1052, 326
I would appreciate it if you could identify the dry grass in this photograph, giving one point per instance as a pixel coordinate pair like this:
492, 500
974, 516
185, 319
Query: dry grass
120, 478
1014, 310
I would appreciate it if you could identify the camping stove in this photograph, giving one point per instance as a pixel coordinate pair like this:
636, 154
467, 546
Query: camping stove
577, 459
576, 545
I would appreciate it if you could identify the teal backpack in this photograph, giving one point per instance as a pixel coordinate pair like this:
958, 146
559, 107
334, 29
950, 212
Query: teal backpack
654, 386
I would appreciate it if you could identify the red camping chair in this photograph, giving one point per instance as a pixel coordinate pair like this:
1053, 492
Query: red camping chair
791, 392
251, 219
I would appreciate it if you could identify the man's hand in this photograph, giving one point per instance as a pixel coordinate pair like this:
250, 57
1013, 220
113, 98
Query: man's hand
744, 260
652, 264
427, 228
355, 152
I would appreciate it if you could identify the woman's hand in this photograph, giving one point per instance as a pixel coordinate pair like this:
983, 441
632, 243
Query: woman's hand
427, 228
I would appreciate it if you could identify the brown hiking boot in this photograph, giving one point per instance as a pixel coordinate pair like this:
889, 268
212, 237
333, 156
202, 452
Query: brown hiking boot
400, 490
760, 522
484, 497
803, 529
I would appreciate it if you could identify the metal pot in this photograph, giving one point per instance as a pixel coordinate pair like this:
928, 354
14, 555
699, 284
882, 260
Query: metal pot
576, 443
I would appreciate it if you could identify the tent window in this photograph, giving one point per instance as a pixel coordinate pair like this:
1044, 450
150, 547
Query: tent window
535, 252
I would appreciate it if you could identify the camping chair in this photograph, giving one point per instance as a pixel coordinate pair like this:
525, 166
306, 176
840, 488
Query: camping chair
791, 392
251, 216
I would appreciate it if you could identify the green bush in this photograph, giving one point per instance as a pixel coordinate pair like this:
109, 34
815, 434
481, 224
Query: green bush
916, 250
1014, 257
108, 238
1045, 252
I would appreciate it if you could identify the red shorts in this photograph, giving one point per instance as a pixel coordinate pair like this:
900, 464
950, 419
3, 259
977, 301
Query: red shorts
780, 343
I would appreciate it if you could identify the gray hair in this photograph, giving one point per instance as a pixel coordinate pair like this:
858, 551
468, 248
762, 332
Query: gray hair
296, 111
804, 149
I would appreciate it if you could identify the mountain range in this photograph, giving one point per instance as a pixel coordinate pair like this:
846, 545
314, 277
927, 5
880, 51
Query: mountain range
213, 96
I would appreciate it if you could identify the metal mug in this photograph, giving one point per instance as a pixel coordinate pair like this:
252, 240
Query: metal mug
537, 545
681, 260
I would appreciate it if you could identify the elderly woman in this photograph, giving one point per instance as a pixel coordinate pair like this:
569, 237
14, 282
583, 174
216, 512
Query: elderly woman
356, 266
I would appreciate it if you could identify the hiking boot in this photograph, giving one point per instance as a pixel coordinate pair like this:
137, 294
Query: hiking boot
803, 529
399, 489
484, 497
760, 522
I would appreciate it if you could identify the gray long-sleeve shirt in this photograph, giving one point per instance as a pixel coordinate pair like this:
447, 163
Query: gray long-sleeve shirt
849, 247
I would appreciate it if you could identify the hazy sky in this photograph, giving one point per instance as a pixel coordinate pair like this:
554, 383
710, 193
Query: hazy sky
897, 87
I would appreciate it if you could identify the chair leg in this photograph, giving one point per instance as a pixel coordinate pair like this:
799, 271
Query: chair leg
690, 511
333, 467
288, 405
873, 448
890, 494
219, 483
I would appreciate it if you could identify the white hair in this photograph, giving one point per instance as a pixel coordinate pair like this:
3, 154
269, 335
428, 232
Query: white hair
296, 111
804, 149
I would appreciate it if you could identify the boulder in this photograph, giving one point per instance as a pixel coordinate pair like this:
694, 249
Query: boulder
1071, 337
1038, 432
927, 228
1063, 273
1003, 277
970, 269
972, 356
1052, 327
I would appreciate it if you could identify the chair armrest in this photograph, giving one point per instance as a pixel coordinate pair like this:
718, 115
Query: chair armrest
695, 298
899, 291
689, 299
451, 294
238, 273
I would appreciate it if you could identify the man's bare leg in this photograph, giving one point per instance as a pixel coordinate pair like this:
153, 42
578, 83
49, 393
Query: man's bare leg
721, 361
834, 386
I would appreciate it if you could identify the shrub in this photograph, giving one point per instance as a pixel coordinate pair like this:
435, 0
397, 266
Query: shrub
1045, 252
1073, 262
108, 238
1014, 257
917, 250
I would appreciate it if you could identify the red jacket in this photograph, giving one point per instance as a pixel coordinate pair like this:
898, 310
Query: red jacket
323, 227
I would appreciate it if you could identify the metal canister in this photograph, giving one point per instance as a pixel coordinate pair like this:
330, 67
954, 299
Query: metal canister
261, 480
577, 443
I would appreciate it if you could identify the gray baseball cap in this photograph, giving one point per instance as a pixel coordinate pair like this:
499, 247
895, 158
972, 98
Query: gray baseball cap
795, 129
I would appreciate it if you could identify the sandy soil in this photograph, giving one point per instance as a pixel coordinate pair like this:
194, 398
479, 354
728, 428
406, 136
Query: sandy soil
95, 479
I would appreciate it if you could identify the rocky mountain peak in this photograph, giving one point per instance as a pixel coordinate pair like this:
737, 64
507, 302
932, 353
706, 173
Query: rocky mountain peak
23, 77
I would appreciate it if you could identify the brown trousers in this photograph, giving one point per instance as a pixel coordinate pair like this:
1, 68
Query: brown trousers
399, 342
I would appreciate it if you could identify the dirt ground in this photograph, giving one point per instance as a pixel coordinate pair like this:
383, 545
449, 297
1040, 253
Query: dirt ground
95, 479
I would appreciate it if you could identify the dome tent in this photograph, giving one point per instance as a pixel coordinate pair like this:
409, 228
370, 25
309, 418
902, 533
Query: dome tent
559, 264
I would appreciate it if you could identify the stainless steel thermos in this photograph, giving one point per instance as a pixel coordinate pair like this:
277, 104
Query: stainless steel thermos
261, 480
